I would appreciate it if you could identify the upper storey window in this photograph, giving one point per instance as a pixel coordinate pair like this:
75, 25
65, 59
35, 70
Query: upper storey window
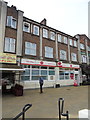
45, 33
26, 27
75, 43
59, 38
65, 40
70, 42
35, 30
52, 35
11, 22
9, 45
82, 46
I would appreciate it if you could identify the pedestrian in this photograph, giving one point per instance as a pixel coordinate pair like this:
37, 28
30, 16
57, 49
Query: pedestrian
41, 84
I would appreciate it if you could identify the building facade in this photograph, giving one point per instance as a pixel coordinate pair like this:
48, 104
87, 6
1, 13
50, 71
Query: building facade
29, 49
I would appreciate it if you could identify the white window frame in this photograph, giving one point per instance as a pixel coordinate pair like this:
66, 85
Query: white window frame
45, 33
28, 27
30, 48
70, 42
63, 55
88, 48
84, 59
36, 30
48, 52
82, 46
52, 35
9, 45
75, 43
59, 38
74, 57
65, 40
10, 20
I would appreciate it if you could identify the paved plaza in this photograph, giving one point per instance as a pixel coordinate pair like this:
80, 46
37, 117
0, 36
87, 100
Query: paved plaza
45, 105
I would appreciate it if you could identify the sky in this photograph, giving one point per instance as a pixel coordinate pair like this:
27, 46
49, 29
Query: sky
68, 16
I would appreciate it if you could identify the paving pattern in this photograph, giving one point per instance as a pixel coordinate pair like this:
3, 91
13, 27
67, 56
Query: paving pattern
45, 105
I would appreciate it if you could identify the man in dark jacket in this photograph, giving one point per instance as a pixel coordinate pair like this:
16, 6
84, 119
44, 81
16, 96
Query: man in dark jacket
41, 84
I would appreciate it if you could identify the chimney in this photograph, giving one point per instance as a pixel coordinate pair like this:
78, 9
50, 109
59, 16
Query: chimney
14, 7
44, 22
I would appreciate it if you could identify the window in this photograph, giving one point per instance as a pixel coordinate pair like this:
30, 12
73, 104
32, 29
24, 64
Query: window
84, 59
75, 43
74, 56
11, 21
70, 41
65, 40
48, 52
82, 46
45, 33
30, 48
88, 48
10, 45
35, 30
63, 55
52, 35
26, 27
59, 38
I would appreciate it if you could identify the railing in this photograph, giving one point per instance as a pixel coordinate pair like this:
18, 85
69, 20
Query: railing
25, 108
61, 106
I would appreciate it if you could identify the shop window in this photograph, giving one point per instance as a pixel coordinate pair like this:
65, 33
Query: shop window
35, 30
51, 72
35, 72
45, 33
30, 48
35, 77
52, 35
25, 78
42, 67
26, 27
71, 75
11, 22
9, 45
63, 55
48, 52
66, 75
74, 56
61, 75
25, 75
43, 72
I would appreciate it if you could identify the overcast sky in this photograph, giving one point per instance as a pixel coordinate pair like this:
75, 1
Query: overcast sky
68, 16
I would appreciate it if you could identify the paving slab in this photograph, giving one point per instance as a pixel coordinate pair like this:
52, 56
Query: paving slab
45, 105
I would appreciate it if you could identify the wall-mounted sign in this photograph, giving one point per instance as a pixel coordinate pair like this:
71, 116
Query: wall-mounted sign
7, 58
65, 65
37, 62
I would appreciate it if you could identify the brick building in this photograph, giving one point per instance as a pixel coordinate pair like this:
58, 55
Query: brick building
29, 49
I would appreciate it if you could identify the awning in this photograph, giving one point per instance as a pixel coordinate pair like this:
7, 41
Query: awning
11, 69
8, 67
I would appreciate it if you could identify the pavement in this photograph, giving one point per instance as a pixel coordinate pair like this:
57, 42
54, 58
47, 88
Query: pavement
45, 105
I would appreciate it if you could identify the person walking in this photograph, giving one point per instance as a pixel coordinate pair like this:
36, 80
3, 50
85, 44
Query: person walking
41, 84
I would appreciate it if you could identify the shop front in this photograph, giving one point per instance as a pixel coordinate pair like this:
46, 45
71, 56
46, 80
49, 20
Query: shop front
9, 70
53, 73
68, 73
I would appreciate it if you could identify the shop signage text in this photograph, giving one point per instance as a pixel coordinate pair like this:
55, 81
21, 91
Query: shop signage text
7, 58
37, 62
